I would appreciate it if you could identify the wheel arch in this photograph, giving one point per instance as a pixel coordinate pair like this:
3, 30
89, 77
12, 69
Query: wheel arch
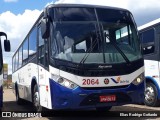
33, 83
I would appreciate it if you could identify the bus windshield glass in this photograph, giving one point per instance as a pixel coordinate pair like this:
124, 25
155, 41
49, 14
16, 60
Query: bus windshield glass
93, 35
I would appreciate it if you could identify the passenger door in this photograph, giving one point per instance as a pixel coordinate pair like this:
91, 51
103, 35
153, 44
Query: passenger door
42, 62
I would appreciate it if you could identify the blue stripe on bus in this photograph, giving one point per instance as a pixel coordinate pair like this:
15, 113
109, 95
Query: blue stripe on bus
64, 98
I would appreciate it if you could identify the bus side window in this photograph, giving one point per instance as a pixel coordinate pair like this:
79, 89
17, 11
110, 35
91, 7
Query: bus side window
32, 42
13, 64
16, 61
147, 38
41, 48
20, 57
25, 51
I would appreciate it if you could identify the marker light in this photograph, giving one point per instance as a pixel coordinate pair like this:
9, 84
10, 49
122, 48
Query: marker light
47, 88
139, 79
66, 83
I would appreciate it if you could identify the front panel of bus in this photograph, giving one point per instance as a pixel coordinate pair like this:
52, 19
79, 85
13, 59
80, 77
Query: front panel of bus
95, 58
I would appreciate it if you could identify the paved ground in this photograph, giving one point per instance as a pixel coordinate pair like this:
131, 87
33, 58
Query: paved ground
133, 110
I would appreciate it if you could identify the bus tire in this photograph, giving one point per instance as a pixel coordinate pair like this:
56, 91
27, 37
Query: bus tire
151, 95
36, 99
104, 108
19, 101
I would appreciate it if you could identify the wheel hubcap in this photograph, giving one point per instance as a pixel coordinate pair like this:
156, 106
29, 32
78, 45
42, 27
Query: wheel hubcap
36, 100
149, 94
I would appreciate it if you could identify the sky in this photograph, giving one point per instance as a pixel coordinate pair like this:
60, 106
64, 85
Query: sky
18, 16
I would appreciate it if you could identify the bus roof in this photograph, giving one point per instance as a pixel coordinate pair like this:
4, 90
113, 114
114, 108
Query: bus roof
84, 5
154, 22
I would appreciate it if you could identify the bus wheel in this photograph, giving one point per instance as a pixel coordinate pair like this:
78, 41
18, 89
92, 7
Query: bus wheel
36, 100
18, 99
151, 94
103, 108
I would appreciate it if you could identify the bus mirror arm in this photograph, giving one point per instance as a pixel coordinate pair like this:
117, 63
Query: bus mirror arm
45, 28
3, 34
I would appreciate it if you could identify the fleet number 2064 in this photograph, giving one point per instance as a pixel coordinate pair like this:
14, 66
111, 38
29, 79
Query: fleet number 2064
90, 82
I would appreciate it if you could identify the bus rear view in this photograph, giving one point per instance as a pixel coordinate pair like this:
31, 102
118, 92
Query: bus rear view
88, 57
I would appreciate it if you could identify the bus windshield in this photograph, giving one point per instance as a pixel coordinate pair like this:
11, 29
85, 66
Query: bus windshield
91, 35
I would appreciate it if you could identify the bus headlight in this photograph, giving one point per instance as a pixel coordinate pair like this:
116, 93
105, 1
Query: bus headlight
139, 79
66, 83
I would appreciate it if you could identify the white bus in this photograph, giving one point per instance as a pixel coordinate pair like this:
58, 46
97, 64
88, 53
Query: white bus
7, 49
150, 37
77, 57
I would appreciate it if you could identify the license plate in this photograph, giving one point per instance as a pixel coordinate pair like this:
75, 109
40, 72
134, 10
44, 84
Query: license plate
109, 98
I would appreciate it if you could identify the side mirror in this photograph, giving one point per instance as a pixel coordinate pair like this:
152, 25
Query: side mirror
45, 28
7, 46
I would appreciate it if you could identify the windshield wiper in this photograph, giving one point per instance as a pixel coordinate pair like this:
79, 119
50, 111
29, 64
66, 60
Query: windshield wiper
89, 50
120, 51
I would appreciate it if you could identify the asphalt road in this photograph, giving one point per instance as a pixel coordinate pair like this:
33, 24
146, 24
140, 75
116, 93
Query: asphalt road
125, 112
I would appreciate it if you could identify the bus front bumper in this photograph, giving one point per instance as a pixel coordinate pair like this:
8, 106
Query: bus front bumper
80, 98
